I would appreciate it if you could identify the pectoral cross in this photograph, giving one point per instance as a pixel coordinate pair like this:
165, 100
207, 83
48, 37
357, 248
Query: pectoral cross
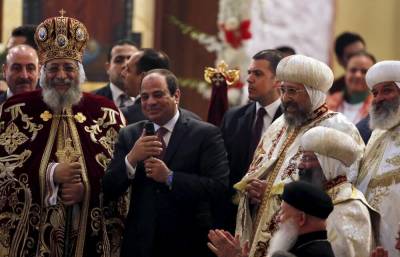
68, 154
62, 12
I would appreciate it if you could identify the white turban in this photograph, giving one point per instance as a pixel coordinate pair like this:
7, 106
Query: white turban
336, 151
385, 71
305, 70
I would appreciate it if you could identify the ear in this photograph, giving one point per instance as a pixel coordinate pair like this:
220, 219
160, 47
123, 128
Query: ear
177, 96
4, 68
107, 67
302, 219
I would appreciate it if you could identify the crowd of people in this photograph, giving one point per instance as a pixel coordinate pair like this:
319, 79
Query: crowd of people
309, 167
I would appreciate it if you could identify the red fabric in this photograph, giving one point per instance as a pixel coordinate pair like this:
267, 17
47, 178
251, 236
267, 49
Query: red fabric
33, 106
218, 103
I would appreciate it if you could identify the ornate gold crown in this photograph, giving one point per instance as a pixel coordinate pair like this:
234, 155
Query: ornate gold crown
61, 37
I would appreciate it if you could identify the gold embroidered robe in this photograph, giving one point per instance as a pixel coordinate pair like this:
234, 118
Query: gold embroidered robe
275, 160
379, 179
29, 141
350, 225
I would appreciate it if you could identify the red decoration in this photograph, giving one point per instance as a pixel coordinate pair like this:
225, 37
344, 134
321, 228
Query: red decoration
236, 36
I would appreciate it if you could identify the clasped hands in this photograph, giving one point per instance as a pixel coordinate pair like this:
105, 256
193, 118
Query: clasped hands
68, 176
255, 190
146, 149
224, 244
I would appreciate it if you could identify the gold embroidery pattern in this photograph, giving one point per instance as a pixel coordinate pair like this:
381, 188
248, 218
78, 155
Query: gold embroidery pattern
385, 180
15, 111
292, 166
378, 193
46, 115
108, 119
272, 176
79, 117
275, 141
67, 153
102, 160
17, 215
10, 162
12, 138
395, 161
96, 215
108, 140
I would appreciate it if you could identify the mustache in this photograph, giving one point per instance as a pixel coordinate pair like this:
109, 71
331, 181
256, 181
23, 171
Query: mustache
58, 81
23, 81
288, 104
384, 105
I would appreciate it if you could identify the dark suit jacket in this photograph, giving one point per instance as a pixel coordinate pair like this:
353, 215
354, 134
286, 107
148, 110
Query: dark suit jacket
164, 222
236, 131
314, 244
363, 128
104, 91
133, 113
3, 97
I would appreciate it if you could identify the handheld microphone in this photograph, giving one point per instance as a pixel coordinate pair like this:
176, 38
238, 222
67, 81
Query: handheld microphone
149, 128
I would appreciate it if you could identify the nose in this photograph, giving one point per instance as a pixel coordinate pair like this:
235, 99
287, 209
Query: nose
24, 73
250, 78
61, 73
378, 98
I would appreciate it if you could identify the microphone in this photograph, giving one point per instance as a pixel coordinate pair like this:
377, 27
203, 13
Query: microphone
149, 128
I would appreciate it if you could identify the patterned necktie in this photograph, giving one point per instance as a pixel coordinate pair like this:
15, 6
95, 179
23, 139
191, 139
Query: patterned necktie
257, 130
161, 132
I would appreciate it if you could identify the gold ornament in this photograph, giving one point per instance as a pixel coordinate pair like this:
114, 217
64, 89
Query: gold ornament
220, 73
79, 117
46, 116
61, 37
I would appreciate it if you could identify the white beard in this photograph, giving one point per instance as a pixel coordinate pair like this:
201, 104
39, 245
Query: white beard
284, 238
387, 119
57, 101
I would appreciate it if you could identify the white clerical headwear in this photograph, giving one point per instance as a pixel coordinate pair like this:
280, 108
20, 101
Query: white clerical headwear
305, 70
335, 150
385, 71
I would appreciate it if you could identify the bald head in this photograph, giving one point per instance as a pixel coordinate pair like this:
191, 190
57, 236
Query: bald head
21, 69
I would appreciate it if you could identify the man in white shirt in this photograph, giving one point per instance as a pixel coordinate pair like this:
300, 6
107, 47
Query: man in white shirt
115, 90
173, 186
21, 71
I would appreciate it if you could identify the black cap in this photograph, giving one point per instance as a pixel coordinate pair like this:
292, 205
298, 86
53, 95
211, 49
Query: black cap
308, 198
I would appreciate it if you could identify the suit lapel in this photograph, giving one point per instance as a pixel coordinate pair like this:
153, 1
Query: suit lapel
246, 124
177, 136
277, 114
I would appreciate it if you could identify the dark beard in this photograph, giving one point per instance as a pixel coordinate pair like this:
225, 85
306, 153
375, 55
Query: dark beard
313, 176
298, 118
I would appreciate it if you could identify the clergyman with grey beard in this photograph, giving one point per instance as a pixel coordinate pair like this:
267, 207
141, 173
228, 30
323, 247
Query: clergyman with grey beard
55, 144
302, 227
303, 83
380, 166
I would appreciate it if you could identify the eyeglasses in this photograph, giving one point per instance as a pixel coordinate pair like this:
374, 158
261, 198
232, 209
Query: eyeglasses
290, 91
67, 68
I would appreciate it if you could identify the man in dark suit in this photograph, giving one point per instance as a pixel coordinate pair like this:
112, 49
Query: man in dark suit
21, 71
175, 175
133, 73
243, 126
118, 55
